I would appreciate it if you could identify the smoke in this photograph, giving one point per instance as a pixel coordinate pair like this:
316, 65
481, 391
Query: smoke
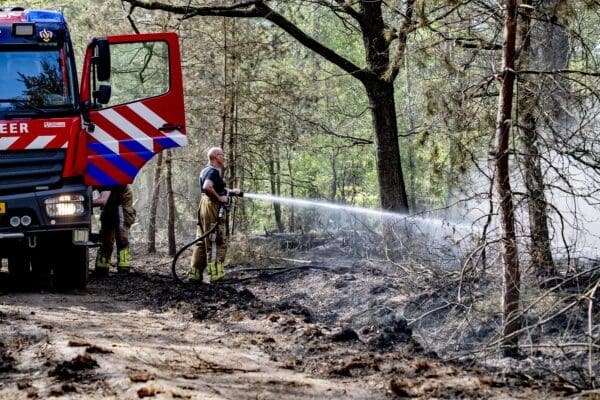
573, 200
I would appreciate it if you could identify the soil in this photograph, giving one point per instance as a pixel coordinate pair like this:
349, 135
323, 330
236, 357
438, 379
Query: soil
323, 325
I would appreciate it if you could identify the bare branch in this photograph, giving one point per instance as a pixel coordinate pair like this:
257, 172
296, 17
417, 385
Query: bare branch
406, 27
258, 9
558, 71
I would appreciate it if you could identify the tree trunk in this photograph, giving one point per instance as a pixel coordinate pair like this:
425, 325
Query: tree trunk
551, 49
387, 152
154, 205
334, 177
170, 206
292, 222
539, 244
510, 259
225, 86
273, 174
232, 165
541, 253
408, 110
229, 112
379, 85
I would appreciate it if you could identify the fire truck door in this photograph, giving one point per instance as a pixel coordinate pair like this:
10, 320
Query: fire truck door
144, 113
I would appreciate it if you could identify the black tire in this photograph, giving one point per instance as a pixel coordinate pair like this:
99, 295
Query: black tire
71, 271
18, 268
40, 270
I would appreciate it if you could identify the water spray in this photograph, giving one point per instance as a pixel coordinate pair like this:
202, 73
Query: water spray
323, 204
372, 212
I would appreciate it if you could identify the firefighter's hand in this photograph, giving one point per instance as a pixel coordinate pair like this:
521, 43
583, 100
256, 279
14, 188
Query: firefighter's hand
235, 192
224, 199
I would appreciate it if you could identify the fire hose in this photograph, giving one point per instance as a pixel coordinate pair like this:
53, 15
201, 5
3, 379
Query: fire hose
222, 208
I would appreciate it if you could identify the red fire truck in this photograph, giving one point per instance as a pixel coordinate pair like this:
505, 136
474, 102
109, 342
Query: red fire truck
60, 138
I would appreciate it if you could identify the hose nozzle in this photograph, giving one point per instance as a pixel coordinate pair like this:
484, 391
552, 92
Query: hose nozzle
231, 193
225, 206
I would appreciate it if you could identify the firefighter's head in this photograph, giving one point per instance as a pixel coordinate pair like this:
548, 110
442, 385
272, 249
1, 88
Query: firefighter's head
216, 157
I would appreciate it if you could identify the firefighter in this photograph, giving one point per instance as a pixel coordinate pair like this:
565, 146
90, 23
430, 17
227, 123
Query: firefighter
214, 194
116, 218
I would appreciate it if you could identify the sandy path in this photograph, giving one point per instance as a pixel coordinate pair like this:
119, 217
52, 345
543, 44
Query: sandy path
138, 352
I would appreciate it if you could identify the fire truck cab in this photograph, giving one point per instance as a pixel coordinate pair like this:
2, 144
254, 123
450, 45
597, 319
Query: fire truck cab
60, 137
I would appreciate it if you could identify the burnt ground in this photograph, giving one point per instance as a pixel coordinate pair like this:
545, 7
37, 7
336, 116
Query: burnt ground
294, 319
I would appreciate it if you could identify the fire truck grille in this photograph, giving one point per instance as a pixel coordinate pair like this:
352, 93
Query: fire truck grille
26, 170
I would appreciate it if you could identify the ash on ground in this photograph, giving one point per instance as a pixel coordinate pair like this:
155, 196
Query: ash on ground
303, 317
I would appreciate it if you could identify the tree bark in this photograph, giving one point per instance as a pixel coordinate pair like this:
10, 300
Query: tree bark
274, 172
232, 155
334, 177
154, 205
170, 206
510, 259
392, 190
292, 221
229, 138
379, 86
539, 243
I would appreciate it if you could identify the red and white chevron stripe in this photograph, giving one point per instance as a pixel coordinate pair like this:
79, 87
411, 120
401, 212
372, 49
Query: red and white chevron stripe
133, 122
33, 142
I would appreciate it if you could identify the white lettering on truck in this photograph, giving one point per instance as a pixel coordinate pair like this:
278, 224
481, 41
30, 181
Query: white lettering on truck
14, 127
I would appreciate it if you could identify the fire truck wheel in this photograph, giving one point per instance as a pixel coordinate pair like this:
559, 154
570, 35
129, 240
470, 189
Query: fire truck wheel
40, 270
18, 267
72, 272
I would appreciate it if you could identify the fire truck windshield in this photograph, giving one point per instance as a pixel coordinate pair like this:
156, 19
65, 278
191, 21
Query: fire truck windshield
35, 78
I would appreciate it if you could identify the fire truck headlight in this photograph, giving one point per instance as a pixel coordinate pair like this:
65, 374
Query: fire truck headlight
69, 205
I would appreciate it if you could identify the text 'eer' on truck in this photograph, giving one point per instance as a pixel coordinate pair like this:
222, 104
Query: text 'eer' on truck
59, 138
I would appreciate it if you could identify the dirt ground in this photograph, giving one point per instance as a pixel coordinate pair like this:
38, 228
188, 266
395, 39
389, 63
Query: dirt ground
324, 325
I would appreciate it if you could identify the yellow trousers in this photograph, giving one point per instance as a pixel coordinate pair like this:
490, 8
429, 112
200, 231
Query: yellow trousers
202, 257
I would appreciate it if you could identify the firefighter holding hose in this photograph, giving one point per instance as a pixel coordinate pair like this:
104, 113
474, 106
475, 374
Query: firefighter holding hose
211, 251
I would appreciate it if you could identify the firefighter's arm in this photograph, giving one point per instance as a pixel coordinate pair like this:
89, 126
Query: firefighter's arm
209, 190
101, 200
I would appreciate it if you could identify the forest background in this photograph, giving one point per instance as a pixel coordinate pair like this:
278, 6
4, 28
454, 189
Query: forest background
521, 169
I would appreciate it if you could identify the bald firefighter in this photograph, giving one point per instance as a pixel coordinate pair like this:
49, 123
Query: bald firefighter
116, 219
211, 251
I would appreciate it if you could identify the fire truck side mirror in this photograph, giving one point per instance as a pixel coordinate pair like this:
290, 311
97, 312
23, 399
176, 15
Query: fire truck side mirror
102, 60
102, 95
